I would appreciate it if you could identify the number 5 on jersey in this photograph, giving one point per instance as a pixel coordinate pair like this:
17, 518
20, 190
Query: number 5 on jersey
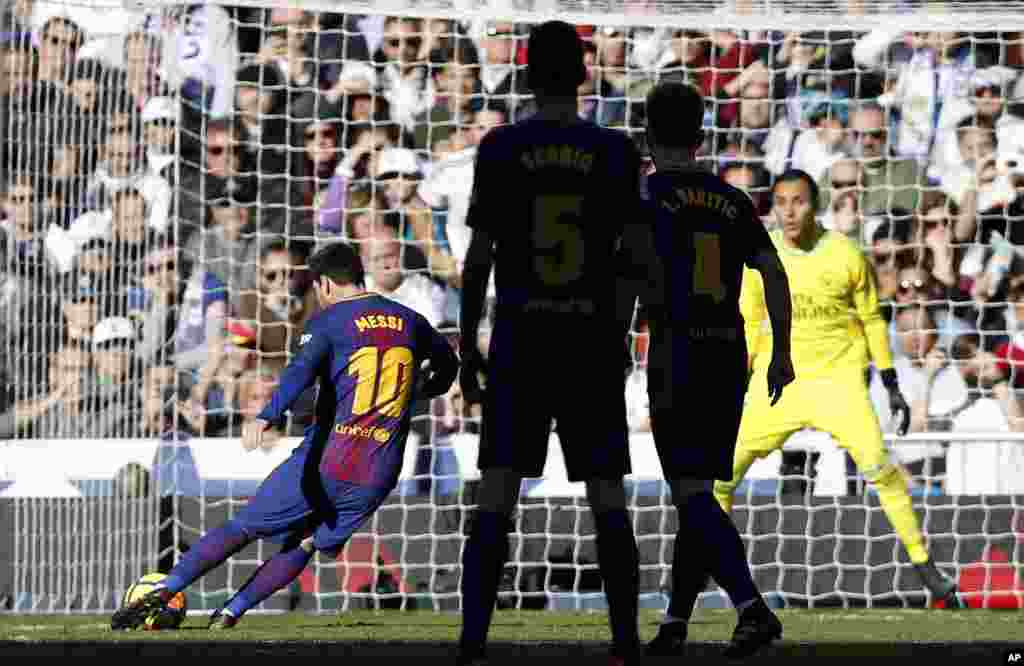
557, 239
383, 381
707, 266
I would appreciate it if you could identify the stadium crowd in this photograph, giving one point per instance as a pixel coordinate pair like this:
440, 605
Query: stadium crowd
166, 176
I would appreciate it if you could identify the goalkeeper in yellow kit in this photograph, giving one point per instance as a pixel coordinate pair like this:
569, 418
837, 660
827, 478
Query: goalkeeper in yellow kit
837, 328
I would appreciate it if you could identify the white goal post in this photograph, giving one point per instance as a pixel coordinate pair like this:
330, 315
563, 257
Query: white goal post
207, 125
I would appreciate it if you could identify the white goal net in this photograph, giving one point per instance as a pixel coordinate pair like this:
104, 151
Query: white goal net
166, 169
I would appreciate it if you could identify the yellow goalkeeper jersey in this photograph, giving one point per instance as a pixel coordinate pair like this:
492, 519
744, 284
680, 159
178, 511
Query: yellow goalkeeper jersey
837, 324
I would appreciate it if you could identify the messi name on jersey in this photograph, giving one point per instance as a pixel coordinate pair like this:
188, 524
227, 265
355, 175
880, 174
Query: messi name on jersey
371, 321
559, 156
695, 197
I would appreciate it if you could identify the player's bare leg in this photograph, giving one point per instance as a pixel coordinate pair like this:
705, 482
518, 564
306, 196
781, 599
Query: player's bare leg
720, 554
483, 559
618, 559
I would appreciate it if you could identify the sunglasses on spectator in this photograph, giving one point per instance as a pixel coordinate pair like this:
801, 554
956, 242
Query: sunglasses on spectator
907, 285
844, 184
63, 43
273, 274
396, 42
941, 222
868, 134
152, 269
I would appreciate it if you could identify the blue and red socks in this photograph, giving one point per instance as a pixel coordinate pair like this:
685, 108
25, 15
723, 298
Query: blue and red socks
273, 575
214, 548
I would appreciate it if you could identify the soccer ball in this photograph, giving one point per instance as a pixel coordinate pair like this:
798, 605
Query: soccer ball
170, 617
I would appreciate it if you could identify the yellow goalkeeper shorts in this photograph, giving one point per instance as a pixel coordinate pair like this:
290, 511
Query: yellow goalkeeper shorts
840, 406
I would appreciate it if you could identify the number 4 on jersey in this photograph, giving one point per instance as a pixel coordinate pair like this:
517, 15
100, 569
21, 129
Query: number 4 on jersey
707, 266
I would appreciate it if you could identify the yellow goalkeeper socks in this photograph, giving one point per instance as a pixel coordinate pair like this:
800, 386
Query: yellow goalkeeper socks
892, 493
724, 490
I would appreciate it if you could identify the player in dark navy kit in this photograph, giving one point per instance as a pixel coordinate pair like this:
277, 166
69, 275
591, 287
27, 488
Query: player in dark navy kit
551, 197
704, 232
366, 352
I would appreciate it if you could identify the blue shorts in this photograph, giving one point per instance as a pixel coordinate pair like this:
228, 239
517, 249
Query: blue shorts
295, 500
535, 384
695, 433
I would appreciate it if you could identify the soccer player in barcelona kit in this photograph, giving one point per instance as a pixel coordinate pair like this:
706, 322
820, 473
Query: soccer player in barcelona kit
551, 197
837, 328
704, 231
367, 353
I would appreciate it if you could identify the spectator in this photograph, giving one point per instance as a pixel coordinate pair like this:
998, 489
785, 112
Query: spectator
316, 140
34, 243
160, 123
224, 169
402, 75
816, 143
123, 166
355, 167
448, 189
398, 173
280, 301
457, 94
221, 246
502, 80
749, 178
256, 386
888, 182
57, 412
157, 310
750, 119
932, 385
930, 85
602, 96
59, 41
116, 408
289, 47
685, 59
382, 256
916, 286
845, 178
200, 334
261, 99
166, 405
142, 80
367, 210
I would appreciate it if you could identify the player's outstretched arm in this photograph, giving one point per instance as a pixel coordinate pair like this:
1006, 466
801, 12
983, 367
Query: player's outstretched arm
314, 349
475, 276
779, 304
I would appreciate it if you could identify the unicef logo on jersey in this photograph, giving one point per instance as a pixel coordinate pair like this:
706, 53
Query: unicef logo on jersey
381, 435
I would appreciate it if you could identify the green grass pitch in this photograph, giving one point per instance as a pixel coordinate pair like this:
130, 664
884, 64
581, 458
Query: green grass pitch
814, 633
